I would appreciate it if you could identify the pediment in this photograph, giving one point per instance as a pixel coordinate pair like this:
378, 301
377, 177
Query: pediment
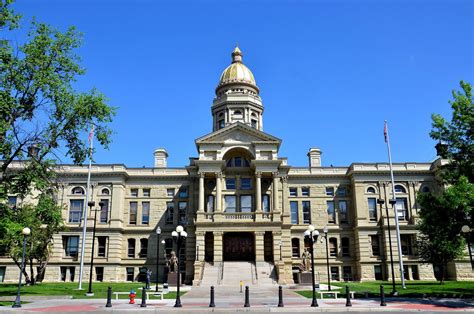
236, 134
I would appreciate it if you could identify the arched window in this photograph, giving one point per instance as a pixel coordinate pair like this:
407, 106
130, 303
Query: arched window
425, 189
143, 248
78, 190
332, 247
400, 189
238, 162
105, 191
371, 190
295, 247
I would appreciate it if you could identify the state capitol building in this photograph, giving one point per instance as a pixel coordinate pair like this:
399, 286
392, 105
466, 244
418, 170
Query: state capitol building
241, 203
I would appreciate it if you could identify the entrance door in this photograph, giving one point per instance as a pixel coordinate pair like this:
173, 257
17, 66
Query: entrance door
239, 246
209, 247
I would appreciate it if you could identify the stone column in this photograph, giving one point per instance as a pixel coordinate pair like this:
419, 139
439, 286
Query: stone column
285, 214
276, 207
258, 191
218, 192
200, 246
277, 246
201, 192
259, 246
218, 253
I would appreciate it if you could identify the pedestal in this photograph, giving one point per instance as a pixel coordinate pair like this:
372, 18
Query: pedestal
172, 280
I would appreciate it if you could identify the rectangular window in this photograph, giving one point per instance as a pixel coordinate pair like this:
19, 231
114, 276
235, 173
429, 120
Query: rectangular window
305, 191
182, 207
230, 184
402, 209
99, 274
329, 191
333, 247
372, 204
75, 211
221, 124
145, 213
130, 274
146, 192
168, 247
102, 246
335, 273
378, 272
170, 192
229, 203
169, 212
253, 123
134, 192
294, 212
293, 191
405, 240
104, 211
238, 161
331, 212
143, 248
266, 203
341, 191
414, 272
246, 203
245, 183
347, 273
183, 192
295, 247
133, 213
64, 272
306, 212
374, 239
131, 248
71, 245
343, 211
210, 204
345, 247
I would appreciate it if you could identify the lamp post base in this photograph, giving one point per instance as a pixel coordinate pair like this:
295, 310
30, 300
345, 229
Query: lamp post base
17, 304
89, 294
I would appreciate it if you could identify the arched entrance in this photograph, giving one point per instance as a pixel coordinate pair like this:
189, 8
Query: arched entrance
239, 246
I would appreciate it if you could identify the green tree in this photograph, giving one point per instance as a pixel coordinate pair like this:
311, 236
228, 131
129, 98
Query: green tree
442, 217
456, 137
42, 117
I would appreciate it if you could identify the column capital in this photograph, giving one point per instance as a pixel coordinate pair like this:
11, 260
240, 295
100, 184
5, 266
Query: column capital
258, 174
260, 233
414, 183
218, 233
385, 183
218, 175
275, 174
200, 234
284, 179
201, 174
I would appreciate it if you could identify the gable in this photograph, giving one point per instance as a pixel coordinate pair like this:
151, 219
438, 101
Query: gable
236, 134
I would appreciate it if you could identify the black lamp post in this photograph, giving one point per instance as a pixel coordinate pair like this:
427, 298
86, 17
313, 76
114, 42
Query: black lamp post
325, 231
158, 232
179, 235
26, 232
392, 202
92, 204
466, 230
312, 235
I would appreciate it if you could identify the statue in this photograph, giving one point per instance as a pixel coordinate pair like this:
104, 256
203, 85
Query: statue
148, 279
172, 263
306, 260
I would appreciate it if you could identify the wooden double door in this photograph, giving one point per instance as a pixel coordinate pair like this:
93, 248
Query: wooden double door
239, 246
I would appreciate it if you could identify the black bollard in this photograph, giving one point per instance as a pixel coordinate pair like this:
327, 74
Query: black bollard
280, 297
382, 296
143, 297
109, 297
211, 303
348, 297
247, 302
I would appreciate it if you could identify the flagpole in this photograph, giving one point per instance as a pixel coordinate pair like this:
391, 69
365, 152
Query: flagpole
84, 210
397, 227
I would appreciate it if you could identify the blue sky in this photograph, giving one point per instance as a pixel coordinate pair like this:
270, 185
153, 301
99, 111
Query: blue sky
329, 72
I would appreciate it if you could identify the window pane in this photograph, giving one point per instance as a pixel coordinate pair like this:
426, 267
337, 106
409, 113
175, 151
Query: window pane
372, 204
402, 210
102, 246
331, 212
183, 192
75, 210
230, 184
294, 212
343, 210
306, 212
182, 207
246, 203
134, 192
229, 203
146, 192
104, 212
133, 213
169, 192
169, 212
375, 245
145, 213
305, 191
266, 203
245, 183
330, 191
293, 192
341, 191
210, 204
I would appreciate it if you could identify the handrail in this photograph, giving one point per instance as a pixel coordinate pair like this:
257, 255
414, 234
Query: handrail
220, 273
253, 270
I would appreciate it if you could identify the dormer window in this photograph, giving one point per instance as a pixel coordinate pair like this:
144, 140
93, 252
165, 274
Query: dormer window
221, 124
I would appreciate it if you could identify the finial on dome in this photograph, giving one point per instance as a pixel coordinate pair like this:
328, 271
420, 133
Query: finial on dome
236, 54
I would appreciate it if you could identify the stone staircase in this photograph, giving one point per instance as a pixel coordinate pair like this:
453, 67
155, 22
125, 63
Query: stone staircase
234, 272
211, 275
266, 274
251, 274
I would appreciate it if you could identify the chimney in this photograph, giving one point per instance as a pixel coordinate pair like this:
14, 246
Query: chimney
314, 156
161, 157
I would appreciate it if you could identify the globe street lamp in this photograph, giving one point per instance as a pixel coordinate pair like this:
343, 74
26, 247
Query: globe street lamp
92, 204
325, 231
312, 235
381, 202
26, 232
158, 232
178, 235
466, 230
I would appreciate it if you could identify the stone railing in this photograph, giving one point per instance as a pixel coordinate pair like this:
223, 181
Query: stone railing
239, 216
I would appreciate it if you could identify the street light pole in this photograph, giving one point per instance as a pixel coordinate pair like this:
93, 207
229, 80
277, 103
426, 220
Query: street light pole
312, 235
178, 236
381, 202
466, 230
325, 230
26, 232
92, 204
158, 232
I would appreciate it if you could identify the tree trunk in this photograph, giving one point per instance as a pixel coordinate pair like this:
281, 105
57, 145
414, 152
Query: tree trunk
27, 278
32, 273
442, 274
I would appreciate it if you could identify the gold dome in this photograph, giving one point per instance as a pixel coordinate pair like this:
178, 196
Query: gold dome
237, 72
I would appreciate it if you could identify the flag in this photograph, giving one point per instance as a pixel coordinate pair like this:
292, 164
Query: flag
91, 134
385, 131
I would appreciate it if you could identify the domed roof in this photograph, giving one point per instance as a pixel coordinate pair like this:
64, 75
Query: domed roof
237, 72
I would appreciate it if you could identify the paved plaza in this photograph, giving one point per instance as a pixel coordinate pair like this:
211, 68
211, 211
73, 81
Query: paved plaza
230, 299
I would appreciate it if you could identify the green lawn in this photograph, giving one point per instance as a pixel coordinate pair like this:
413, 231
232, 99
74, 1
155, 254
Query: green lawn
69, 288
464, 289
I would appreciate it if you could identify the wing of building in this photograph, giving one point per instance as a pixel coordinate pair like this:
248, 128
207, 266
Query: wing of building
244, 208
